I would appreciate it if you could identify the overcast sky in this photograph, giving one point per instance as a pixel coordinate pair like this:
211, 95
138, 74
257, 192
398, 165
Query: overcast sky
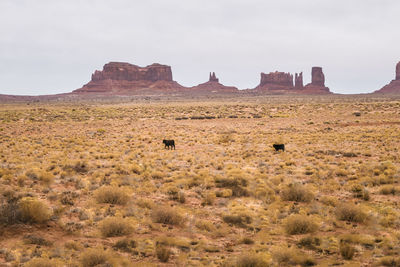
53, 46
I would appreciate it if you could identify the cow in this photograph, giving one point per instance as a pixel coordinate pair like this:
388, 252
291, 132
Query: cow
169, 143
279, 147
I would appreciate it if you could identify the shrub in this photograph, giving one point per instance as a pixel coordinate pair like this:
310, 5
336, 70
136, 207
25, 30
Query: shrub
236, 184
94, 257
208, 199
230, 182
360, 192
42, 262
33, 211
111, 195
240, 219
9, 212
251, 260
81, 167
291, 257
46, 178
347, 251
36, 240
126, 245
350, 212
389, 261
32, 174
300, 224
163, 253
115, 227
247, 241
177, 195
296, 192
205, 225
73, 245
239, 191
167, 215
388, 190
309, 242
145, 203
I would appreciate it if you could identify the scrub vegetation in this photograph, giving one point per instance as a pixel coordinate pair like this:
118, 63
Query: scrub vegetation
90, 184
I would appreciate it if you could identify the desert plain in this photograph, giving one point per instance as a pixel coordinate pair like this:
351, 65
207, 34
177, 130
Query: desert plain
90, 183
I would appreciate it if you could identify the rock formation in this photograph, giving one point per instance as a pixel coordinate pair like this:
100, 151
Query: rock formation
212, 86
317, 77
282, 83
119, 78
298, 81
317, 85
125, 78
276, 81
213, 78
394, 86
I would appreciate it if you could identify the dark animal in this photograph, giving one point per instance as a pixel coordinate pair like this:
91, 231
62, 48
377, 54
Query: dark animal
169, 143
279, 147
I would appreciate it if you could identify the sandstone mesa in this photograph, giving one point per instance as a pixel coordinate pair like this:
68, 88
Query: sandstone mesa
281, 83
125, 79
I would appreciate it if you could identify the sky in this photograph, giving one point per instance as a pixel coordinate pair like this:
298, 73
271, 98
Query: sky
53, 46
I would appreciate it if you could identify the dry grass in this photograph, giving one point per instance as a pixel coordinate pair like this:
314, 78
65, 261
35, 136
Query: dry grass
296, 192
167, 215
79, 180
43, 262
350, 212
300, 224
113, 226
291, 257
33, 211
163, 253
95, 257
347, 251
252, 260
111, 195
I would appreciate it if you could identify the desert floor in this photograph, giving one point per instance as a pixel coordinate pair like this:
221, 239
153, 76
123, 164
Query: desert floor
91, 184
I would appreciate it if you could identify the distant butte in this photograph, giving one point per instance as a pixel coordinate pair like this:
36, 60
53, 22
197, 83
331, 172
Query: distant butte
282, 83
317, 85
120, 78
125, 78
394, 86
275, 81
213, 86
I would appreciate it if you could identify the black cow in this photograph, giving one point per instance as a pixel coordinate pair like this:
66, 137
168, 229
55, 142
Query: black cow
169, 143
279, 147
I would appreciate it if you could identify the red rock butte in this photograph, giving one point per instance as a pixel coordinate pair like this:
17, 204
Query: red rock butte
282, 83
317, 84
120, 78
394, 86
125, 78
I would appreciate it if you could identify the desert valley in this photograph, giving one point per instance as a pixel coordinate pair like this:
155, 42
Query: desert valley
85, 179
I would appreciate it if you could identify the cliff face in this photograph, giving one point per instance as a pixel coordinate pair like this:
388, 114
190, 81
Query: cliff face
317, 77
121, 77
298, 81
282, 83
213, 86
317, 85
276, 81
394, 86
120, 71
